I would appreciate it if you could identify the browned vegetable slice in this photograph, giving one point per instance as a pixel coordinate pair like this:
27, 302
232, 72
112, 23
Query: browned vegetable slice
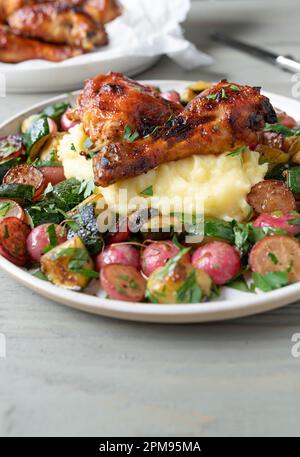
271, 195
123, 282
276, 253
13, 236
26, 174
11, 147
68, 265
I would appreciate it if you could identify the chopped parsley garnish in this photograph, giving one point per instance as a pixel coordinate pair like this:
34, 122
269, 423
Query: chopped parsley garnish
280, 128
73, 147
57, 110
6, 232
239, 284
88, 143
87, 188
211, 96
129, 135
40, 275
273, 258
270, 281
86, 272
189, 291
4, 208
234, 87
236, 152
52, 239
223, 93
148, 192
78, 258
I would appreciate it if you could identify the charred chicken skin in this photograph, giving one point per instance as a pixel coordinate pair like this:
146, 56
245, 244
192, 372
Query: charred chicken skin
112, 104
15, 49
222, 118
57, 23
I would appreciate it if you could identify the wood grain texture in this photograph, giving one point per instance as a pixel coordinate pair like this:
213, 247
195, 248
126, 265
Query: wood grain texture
68, 373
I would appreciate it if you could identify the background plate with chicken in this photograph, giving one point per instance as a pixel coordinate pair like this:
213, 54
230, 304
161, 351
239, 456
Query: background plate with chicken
55, 46
231, 302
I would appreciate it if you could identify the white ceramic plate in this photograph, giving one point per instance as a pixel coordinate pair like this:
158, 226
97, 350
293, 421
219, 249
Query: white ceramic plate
71, 76
230, 305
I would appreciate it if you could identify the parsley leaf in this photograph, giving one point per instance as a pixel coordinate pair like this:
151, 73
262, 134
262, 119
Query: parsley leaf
273, 258
129, 135
211, 96
87, 188
239, 284
148, 192
280, 128
270, 281
236, 152
189, 291
4, 208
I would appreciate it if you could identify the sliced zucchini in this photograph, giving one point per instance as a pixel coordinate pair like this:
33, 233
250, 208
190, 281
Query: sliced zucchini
22, 193
293, 179
56, 111
36, 136
68, 265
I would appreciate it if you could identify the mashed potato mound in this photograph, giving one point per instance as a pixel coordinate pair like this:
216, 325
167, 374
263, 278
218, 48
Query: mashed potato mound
70, 146
219, 184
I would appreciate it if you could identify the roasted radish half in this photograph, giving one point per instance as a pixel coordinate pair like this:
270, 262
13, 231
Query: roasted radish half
69, 265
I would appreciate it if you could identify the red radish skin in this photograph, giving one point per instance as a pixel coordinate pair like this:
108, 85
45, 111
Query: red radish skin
280, 222
122, 254
171, 96
15, 210
20, 262
156, 255
283, 248
52, 126
122, 234
38, 240
286, 120
220, 260
122, 282
66, 123
53, 175
13, 236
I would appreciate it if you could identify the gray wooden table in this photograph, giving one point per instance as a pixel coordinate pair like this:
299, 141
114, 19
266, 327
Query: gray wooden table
69, 373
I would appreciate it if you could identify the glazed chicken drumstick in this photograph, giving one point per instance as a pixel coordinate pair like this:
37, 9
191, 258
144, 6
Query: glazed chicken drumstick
220, 119
102, 11
110, 102
57, 23
15, 49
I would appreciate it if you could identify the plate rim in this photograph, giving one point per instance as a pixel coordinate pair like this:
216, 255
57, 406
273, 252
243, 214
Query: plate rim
173, 313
